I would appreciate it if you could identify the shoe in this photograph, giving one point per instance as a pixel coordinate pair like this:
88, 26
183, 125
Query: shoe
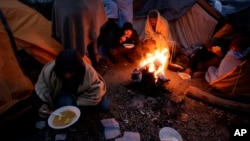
40, 124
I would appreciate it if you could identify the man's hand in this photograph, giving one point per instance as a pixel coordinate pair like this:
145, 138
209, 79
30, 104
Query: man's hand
123, 38
44, 111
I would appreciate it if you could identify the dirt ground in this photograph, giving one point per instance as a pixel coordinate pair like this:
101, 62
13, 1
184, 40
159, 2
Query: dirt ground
194, 120
138, 109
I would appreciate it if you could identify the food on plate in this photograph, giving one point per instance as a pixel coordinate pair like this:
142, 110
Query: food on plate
64, 118
169, 134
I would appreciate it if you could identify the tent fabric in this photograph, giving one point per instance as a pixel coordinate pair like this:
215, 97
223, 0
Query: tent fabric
240, 20
187, 31
234, 83
31, 30
14, 85
170, 9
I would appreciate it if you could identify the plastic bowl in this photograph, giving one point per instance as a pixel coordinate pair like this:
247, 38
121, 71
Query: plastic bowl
169, 134
184, 76
59, 111
128, 45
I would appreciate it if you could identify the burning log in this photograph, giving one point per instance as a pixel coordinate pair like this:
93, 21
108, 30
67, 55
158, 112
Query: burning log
145, 77
150, 74
145, 80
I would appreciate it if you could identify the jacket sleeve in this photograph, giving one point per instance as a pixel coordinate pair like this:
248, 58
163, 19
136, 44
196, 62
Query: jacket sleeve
43, 86
92, 89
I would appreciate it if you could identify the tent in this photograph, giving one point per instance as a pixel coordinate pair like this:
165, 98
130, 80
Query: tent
32, 33
192, 23
22, 28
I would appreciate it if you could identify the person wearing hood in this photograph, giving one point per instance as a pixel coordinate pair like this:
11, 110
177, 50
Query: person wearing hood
157, 30
69, 80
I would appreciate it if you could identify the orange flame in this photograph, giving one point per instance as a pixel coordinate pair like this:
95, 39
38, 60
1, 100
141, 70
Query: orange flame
156, 62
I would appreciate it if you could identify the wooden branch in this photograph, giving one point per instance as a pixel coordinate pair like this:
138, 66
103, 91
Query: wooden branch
208, 98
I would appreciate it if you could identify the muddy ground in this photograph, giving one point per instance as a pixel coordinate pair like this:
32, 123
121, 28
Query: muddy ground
139, 109
147, 112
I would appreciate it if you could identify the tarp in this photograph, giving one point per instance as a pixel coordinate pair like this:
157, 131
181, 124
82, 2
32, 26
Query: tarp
190, 24
235, 83
14, 85
170, 9
32, 32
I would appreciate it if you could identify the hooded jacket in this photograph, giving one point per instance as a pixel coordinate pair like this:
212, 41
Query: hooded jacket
89, 92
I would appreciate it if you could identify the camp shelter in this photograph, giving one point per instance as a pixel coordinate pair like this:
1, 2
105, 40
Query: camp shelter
26, 30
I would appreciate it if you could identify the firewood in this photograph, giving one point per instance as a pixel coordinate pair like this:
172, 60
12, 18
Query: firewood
198, 94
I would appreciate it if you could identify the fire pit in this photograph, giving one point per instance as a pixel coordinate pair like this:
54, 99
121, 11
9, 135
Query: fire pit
147, 78
150, 75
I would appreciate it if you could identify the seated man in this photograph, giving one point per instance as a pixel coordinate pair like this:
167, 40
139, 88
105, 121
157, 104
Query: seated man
112, 39
128, 36
108, 39
157, 31
210, 54
69, 80
239, 48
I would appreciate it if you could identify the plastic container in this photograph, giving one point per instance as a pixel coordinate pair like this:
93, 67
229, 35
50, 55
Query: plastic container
169, 134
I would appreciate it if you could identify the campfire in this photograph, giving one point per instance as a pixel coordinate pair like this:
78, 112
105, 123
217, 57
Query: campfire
151, 71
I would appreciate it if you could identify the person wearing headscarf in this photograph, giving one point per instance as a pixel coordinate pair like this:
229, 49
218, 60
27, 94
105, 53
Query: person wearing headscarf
69, 80
157, 30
